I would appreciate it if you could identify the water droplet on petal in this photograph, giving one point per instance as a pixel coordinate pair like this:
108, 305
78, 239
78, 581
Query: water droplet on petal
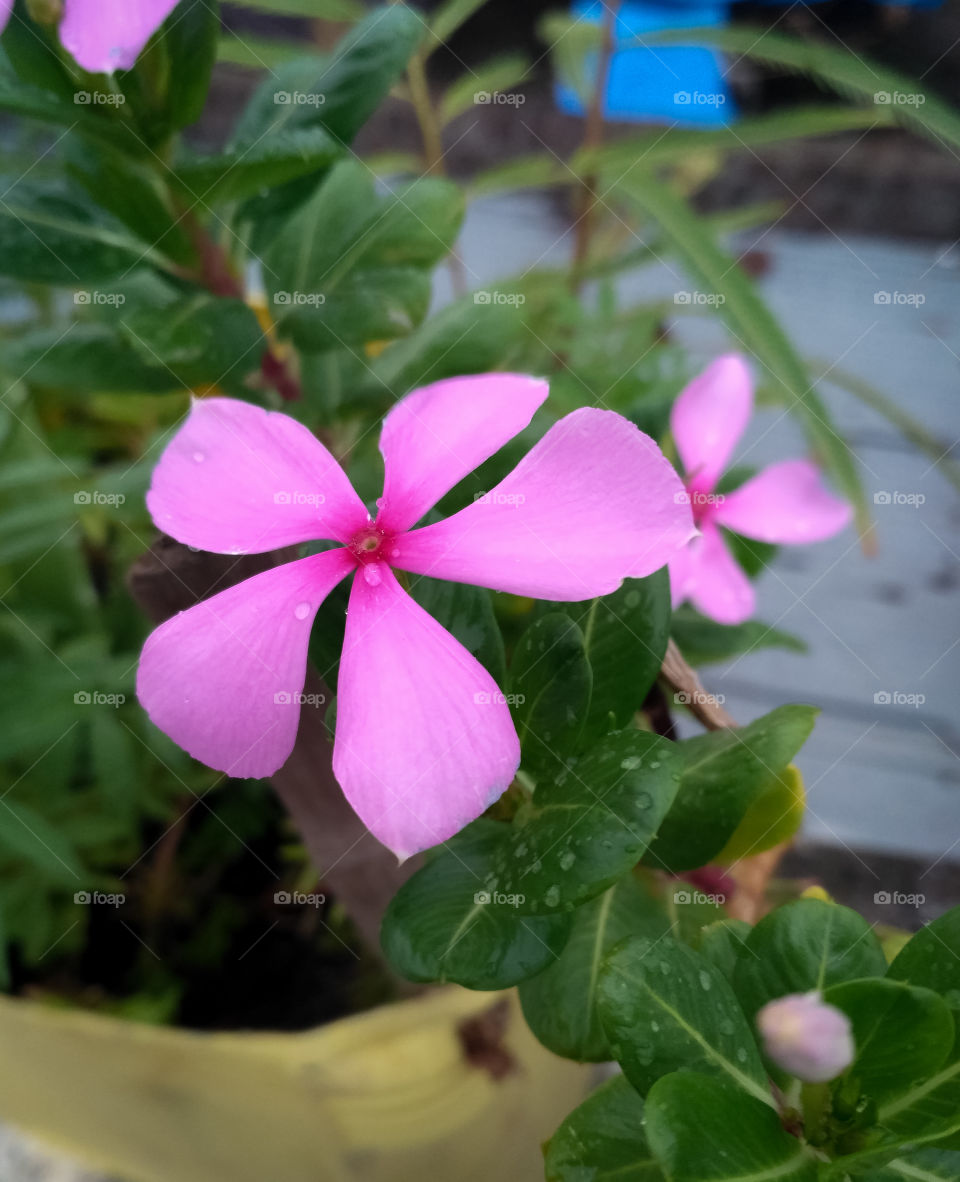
372, 574
302, 610
198, 457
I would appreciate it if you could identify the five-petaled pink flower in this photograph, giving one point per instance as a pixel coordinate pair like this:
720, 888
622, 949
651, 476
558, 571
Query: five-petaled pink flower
786, 502
424, 738
105, 35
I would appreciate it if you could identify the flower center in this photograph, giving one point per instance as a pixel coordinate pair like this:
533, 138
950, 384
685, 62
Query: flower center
702, 503
368, 544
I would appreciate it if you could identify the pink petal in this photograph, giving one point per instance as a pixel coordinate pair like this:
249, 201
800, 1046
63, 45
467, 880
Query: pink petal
593, 502
223, 679
709, 417
437, 435
108, 35
708, 574
786, 502
424, 739
236, 479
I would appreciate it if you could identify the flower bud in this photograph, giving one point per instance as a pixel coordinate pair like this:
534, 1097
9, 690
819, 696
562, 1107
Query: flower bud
806, 1037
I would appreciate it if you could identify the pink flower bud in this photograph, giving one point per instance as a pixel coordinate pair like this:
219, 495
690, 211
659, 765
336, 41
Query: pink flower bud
806, 1037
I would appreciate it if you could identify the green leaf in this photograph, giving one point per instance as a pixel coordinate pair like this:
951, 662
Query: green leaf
702, 641
722, 774
242, 172
202, 339
917, 1165
931, 957
928, 1110
560, 1005
49, 238
707, 1130
602, 1140
29, 837
585, 830
91, 357
462, 338
665, 1006
550, 682
752, 323
773, 818
723, 942
625, 638
497, 75
349, 267
448, 18
805, 945
902, 1033
348, 85
467, 613
445, 925
189, 37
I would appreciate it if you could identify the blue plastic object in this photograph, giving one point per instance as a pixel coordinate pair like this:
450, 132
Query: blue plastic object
663, 83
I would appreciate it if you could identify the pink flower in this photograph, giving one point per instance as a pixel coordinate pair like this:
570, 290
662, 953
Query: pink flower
106, 35
784, 503
806, 1037
424, 738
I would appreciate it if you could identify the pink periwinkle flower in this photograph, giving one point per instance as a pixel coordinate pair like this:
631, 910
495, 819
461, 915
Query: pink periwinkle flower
806, 1037
105, 35
424, 738
785, 503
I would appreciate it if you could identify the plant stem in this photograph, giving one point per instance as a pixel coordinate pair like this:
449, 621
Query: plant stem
593, 138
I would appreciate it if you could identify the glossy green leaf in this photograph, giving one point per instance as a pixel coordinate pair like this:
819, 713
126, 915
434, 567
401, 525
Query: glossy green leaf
932, 957
585, 829
625, 638
915, 1165
723, 942
664, 1005
444, 924
603, 1140
722, 774
902, 1033
93, 357
703, 641
707, 1130
804, 945
189, 38
560, 1004
467, 613
550, 681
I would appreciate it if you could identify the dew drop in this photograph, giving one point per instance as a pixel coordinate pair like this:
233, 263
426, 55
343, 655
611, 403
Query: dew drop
705, 981
742, 1054
394, 553
631, 762
644, 800
567, 859
198, 457
372, 575
302, 610
552, 897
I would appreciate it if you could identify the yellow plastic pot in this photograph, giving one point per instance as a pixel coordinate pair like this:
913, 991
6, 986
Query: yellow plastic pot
393, 1095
